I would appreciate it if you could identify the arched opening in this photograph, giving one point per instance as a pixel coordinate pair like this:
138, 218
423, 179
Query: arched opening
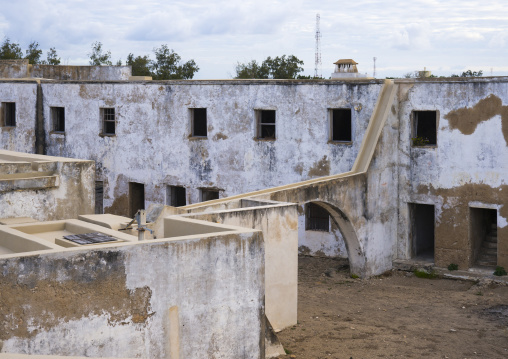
355, 253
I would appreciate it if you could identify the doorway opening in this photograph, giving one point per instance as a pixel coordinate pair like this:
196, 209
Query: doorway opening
483, 236
136, 198
422, 219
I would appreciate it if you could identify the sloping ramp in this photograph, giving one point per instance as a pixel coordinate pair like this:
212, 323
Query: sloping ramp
362, 162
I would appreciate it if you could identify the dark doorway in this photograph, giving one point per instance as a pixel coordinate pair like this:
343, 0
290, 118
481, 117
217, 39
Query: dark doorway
136, 198
422, 230
483, 236
209, 194
175, 196
99, 197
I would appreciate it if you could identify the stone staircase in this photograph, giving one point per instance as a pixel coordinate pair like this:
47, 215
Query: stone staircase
488, 251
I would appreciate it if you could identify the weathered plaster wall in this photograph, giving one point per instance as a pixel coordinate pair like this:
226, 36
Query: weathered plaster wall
201, 297
71, 193
22, 137
81, 73
278, 222
152, 144
13, 69
467, 168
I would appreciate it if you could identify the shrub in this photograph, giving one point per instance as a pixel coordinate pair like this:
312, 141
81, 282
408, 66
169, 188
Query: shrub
453, 266
500, 271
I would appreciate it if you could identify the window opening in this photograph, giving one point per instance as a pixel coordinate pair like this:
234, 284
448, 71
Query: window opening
136, 198
483, 235
9, 114
422, 231
108, 121
266, 124
58, 119
209, 194
424, 128
341, 124
175, 196
199, 126
99, 197
318, 218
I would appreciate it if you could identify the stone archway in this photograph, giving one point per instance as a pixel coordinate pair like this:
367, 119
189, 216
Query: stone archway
356, 255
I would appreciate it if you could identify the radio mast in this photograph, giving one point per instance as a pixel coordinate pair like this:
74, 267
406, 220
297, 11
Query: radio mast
317, 68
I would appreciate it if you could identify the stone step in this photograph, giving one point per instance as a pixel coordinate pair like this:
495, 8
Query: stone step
486, 263
488, 251
491, 239
487, 258
492, 245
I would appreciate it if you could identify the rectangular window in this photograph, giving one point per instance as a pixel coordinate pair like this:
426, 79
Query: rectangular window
340, 124
58, 119
318, 218
9, 114
265, 124
175, 196
198, 122
99, 197
424, 128
108, 121
209, 194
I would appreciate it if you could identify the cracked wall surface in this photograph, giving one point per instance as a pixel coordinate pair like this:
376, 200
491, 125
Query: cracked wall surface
113, 302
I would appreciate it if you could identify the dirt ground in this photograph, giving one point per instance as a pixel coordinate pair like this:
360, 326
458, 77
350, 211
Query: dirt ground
396, 315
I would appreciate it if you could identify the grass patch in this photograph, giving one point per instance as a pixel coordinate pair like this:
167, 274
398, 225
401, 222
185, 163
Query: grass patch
424, 274
354, 276
287, 351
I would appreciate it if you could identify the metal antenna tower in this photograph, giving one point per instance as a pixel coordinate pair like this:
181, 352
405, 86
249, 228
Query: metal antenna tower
375, 58
317, 68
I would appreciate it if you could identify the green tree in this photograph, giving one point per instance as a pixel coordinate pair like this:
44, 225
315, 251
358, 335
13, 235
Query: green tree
98, 57
140, 65
252, 70
469, 73
10, 51
167, 65
52, 57
280, 67
284, 67
33, 54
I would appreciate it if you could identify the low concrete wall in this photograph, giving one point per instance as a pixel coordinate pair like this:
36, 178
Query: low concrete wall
81, 73
45, 188
13, 69
279, 224
202, 297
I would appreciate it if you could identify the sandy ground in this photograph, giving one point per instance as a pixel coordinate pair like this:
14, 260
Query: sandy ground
396, 315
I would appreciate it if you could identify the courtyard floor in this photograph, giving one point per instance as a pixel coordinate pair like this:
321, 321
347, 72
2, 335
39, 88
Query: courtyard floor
396, 315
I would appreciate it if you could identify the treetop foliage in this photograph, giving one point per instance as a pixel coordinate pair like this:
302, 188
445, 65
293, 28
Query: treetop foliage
12, 51
280, 67
469, 73
166, 66
98, 57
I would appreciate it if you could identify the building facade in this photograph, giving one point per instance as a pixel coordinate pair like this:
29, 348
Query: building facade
442, 151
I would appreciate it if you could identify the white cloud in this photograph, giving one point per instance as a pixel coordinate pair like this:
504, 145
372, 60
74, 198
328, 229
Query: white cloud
412, 36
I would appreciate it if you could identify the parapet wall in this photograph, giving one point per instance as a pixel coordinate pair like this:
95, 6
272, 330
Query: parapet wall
17, 69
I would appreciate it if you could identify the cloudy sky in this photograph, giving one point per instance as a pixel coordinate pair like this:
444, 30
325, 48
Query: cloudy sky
446, 36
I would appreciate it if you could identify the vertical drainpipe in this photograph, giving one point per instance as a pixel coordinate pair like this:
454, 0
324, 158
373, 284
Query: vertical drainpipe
40, 134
